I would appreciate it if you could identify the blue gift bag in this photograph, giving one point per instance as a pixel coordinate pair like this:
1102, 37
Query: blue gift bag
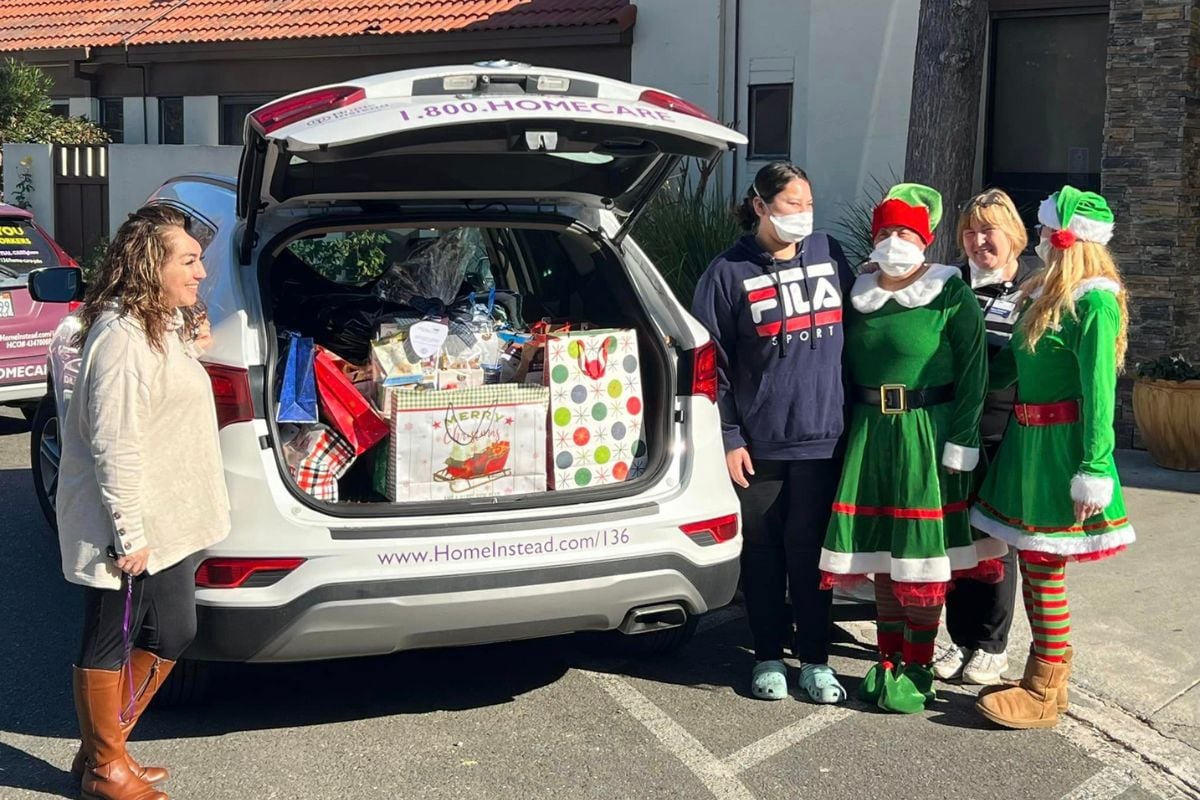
298, 391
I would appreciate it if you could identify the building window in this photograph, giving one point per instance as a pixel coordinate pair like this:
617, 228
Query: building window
112, 117
170, 120
1041, 65
233, 116
771, 121
60, 108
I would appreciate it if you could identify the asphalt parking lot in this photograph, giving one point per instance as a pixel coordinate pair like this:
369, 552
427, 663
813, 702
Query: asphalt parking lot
547, 719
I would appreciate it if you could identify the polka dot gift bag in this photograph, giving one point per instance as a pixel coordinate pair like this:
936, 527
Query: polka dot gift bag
595, 408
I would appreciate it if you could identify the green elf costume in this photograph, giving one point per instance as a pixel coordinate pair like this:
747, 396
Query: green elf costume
916, 361
1059, 454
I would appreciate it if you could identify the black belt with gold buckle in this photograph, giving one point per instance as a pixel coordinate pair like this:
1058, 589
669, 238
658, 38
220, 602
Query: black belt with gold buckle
896, 398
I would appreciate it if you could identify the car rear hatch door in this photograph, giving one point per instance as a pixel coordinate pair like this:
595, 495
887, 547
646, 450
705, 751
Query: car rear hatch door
406, 135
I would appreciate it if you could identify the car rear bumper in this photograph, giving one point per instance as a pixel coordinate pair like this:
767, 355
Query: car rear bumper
22, 392
383, 616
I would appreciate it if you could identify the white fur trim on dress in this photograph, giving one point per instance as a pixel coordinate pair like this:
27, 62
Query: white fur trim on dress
913, 570
963, 459
1089, 230
1059, 545
868, 296
1095, 490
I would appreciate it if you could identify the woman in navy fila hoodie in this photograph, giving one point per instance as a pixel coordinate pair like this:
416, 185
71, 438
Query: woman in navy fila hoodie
773, 303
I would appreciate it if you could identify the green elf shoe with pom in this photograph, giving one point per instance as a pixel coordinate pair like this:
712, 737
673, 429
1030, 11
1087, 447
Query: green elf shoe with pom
922, 678
900, 694
872, 683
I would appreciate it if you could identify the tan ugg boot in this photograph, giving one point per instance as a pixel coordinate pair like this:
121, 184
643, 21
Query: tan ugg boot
1068, 656
149, 673
1033, 703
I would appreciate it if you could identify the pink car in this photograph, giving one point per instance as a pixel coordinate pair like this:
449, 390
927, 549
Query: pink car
26, 327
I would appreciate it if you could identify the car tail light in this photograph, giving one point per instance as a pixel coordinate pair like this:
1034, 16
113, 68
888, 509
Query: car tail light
712, 531
673, 103
704, 371
232, 573
293, 109
231, 392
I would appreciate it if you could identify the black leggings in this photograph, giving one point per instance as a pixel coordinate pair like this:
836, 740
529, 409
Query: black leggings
785, 513
162, 621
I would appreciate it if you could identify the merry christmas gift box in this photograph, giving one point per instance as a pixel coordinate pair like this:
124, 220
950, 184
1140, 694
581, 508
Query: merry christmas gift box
488, 441
596, 406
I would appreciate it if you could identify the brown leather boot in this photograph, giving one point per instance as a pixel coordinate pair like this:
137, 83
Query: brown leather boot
1033, 703
149, 674
107, 775
1063, 694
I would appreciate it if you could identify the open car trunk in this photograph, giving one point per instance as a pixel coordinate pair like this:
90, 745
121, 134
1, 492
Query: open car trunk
333, 283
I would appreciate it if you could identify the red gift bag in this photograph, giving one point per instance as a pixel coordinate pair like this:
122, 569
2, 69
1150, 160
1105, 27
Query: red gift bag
344, 407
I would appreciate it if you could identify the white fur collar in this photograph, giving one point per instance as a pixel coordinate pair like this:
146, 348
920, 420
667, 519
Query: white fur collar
1090, 285
868, 297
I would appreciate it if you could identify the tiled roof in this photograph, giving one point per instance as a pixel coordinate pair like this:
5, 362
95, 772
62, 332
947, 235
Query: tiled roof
50, 24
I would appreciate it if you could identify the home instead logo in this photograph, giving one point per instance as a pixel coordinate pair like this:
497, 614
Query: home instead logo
815, 304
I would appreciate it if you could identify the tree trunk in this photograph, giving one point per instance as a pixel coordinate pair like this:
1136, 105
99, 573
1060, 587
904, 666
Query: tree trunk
944, 120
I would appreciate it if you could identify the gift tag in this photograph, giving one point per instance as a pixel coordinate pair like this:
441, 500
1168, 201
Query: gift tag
427, 337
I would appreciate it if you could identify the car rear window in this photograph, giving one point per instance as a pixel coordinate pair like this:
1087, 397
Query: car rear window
23, 248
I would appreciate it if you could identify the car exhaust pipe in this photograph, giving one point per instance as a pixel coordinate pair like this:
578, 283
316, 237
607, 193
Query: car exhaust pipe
653, 618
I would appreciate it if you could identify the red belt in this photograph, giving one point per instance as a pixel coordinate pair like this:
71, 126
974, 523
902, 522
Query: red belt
1039, 414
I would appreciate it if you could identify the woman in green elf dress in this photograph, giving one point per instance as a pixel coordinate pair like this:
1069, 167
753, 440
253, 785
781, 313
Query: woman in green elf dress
1053, 492
916, 364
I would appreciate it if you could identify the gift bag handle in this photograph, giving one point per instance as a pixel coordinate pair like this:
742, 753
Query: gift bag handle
595, 368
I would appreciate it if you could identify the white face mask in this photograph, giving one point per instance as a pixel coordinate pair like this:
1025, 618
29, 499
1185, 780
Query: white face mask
897, 257
1043, 250
793, 227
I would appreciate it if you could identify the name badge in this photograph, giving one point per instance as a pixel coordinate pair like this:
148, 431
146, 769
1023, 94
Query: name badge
1002, 309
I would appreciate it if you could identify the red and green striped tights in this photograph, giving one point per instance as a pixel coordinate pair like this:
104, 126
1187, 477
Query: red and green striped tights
908, 630
1043, 585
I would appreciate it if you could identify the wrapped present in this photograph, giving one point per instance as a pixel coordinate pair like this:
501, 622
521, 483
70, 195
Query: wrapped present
317, 458
596, 405
483, 442
343, 405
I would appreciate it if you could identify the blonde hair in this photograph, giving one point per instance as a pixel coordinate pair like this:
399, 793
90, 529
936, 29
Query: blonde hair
1054, 286
994, 207
130, 276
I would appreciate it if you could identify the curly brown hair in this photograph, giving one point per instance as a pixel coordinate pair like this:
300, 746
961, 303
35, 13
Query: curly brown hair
130, 274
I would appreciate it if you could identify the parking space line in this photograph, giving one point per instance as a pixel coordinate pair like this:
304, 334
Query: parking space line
1107, 783
717, 777
760, 751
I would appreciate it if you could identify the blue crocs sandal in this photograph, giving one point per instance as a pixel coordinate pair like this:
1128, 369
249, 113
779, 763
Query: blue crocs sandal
769, 680
820, 682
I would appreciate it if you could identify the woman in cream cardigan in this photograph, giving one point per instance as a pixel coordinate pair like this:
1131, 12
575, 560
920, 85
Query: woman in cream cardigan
141, 489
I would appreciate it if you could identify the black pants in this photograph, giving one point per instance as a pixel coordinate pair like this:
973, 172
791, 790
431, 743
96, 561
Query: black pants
162, 621
979, 615
785, 512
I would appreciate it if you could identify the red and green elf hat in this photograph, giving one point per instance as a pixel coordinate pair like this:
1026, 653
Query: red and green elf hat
1076, 215
912, 206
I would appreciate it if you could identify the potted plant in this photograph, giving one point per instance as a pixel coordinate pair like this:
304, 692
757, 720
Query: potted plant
1166, 407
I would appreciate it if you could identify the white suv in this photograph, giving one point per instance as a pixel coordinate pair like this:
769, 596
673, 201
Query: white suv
544, 171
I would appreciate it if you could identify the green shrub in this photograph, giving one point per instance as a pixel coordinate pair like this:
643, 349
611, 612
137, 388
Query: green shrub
687, 224
1168, 368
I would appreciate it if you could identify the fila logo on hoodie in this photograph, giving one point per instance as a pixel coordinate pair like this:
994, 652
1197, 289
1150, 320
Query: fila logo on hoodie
802, 313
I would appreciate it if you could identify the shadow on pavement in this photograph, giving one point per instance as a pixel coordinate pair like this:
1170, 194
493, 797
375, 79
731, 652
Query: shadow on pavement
12, 425
20, 770
1138, 471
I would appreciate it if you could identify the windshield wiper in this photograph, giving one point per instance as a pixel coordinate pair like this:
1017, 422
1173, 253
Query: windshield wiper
8, 272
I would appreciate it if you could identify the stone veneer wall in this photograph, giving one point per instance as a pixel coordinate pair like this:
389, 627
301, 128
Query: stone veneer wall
1151, 175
